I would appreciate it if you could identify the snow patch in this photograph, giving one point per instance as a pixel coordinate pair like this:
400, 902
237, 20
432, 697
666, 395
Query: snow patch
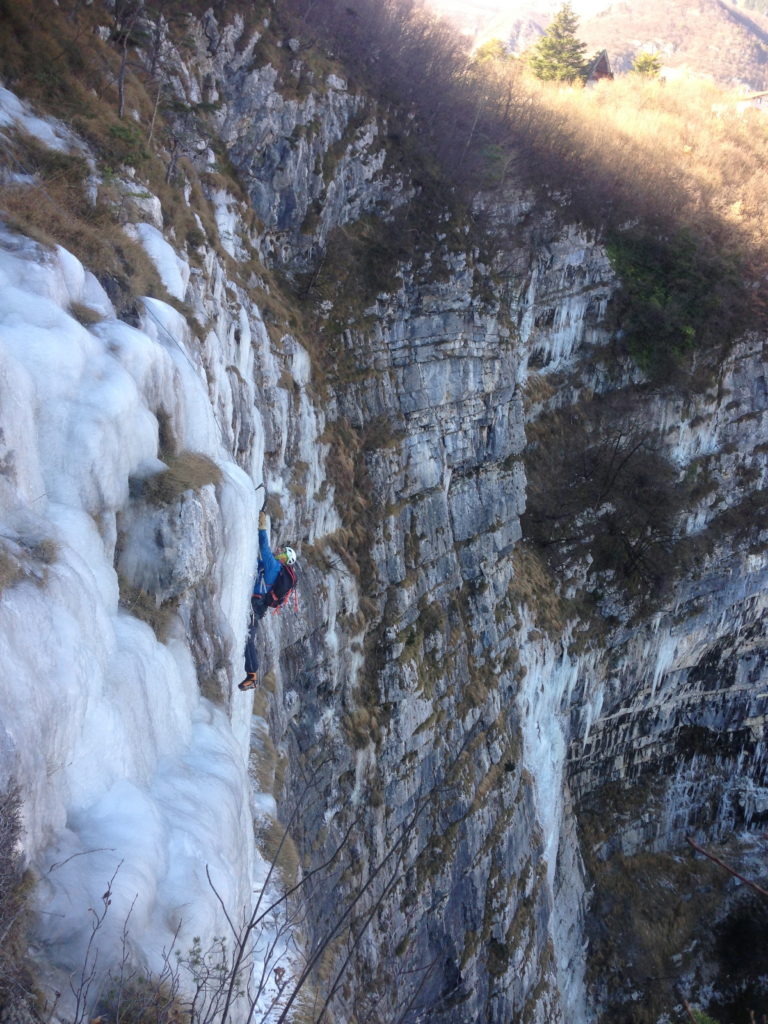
14, 112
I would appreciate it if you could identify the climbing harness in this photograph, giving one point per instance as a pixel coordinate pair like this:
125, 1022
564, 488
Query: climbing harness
279, 594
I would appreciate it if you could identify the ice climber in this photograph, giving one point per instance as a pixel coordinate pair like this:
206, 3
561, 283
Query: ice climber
275, 581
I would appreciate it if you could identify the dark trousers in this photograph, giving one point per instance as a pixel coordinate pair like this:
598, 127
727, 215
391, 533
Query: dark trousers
259, 610
251, 656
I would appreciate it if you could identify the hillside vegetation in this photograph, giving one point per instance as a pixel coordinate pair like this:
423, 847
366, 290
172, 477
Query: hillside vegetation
672, 177
682, 36
99, 70
669, 176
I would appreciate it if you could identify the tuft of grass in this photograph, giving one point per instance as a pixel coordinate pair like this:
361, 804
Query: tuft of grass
85, 314
211, 688
362, 727
11, 570
188, 471
26, 560
279, 848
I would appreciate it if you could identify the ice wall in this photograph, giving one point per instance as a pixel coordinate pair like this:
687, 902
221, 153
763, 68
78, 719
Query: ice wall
128, 774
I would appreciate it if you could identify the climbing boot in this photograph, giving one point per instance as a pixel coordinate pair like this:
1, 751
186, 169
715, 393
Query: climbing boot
248, 683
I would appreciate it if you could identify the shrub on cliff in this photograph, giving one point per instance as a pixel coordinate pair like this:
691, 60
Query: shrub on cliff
601, 493
676, 295
14, 982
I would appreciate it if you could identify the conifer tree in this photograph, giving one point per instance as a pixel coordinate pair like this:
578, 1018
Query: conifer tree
559, 54
647, 64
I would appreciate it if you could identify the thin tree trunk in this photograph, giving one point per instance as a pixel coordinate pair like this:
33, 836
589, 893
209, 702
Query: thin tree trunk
121, 79
154, 113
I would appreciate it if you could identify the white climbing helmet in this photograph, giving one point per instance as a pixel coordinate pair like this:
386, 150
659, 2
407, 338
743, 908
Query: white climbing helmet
290, 556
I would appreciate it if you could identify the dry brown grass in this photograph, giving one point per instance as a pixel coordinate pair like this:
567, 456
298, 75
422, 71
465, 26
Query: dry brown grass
53, 55
11, 570
678, 150
85, 315
263, 763
55, 209
671, 177
26, 560
279, 848
15, 906
188, 471
362, 727
532, 586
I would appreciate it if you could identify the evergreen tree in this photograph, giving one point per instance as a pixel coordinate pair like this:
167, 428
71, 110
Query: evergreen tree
559, 55
647, 64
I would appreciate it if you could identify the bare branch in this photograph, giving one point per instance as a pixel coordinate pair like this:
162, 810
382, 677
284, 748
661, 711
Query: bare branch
727, 867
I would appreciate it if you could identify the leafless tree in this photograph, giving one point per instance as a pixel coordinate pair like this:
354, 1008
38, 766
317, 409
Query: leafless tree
126, 18
600, 484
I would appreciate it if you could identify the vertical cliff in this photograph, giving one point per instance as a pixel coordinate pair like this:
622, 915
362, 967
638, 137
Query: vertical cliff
528, 658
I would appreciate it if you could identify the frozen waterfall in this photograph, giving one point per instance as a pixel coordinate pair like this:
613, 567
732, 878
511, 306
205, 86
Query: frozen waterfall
126, 772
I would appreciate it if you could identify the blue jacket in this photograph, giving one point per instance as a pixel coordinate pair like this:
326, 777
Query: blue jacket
268, 564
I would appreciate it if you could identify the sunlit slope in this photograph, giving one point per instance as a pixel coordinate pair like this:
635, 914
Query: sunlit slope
682, 34
671, 177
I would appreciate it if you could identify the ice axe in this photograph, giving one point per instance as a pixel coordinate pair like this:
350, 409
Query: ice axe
257, 488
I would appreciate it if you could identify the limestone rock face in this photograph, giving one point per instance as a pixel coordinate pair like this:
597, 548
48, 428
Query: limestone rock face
493, 748
169, 549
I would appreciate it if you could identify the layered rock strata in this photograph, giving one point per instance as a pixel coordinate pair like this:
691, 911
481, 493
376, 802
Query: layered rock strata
460, 720
475, 754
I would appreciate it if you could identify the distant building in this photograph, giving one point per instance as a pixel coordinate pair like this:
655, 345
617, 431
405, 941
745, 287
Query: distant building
599, 67
750, 101
758, 100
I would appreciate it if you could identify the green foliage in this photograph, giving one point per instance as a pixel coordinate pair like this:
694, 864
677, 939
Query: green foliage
647, 64
676, 295
703, 1018
126, 144
559, 54
493, 50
